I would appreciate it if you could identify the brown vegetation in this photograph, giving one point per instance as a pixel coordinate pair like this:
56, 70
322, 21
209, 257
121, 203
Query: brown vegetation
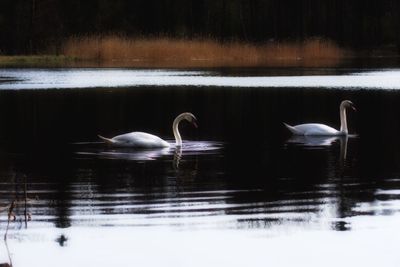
36, 61
165, 52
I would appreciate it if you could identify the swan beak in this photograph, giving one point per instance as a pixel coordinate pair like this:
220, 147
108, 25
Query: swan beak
354, 108
194, 122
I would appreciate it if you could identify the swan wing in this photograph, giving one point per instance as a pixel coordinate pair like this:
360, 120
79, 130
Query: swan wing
314, 129
292, 129
105, 139
139, 139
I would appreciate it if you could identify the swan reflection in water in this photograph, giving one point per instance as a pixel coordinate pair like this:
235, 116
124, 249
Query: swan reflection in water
181, 163
135, 154
322, 141
177, 157
130, 154
140, 155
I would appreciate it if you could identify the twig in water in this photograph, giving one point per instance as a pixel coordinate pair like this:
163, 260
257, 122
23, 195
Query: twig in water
26, 197
10, 213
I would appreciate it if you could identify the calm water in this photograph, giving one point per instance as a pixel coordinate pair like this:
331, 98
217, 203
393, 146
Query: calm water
240, 192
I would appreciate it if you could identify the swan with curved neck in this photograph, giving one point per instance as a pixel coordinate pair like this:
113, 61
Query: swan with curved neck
322, 129
146, 140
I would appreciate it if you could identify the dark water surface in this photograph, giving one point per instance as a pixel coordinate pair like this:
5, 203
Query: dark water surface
240, 192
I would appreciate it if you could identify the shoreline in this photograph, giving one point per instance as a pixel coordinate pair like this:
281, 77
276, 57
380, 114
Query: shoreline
54, 61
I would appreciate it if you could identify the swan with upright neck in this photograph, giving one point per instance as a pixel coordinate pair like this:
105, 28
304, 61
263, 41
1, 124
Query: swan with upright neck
146, 140
318, 129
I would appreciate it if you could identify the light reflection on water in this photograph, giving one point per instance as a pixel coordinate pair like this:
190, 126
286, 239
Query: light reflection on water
89, 78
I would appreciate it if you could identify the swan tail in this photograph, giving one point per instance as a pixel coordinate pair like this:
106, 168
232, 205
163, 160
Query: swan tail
291, 128
107, 140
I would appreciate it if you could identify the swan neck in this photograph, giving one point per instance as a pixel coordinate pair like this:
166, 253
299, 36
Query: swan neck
175, 129
343, 120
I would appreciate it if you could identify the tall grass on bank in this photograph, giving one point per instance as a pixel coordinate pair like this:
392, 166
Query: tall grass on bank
36, 61
167, 52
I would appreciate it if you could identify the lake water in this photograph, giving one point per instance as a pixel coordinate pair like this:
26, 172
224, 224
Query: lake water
240, 192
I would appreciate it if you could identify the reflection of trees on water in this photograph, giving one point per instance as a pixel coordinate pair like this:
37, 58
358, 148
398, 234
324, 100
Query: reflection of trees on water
62, 203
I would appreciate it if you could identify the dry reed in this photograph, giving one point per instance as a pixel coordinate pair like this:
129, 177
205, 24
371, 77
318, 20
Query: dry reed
166, 52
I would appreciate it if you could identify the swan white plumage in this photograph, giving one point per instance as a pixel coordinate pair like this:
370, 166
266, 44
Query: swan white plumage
146, 140
322, 129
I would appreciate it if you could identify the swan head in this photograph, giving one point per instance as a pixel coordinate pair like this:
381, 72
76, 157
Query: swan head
348, 104
189, 117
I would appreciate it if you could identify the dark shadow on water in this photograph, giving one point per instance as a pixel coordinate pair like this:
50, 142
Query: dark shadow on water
341, 226
62, 240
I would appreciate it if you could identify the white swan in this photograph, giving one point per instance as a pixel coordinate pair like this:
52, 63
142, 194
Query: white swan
146, 140
322, 129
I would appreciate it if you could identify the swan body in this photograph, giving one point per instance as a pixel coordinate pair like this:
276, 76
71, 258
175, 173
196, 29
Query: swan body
146, 140
136, 139
313, 129
318, 129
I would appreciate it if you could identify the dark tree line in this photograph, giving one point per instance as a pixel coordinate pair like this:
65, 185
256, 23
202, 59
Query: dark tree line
29, 26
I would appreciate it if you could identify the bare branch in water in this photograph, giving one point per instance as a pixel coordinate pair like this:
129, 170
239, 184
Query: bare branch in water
9, 257
25, 203
10, 214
